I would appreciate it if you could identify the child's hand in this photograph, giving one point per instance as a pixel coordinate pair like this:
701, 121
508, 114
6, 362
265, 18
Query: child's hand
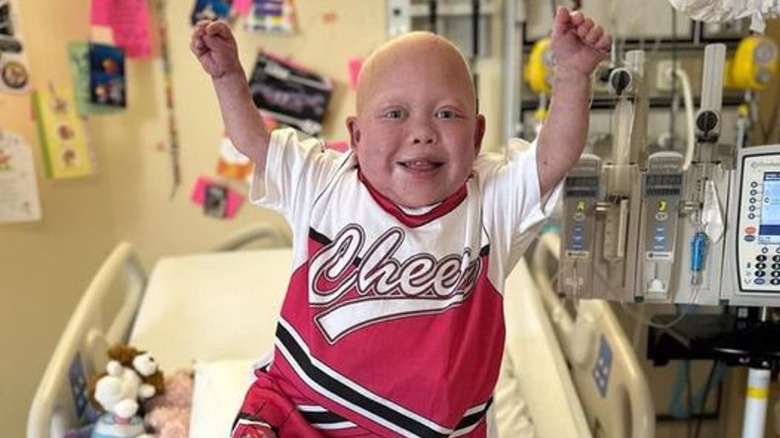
215, 47
578, 43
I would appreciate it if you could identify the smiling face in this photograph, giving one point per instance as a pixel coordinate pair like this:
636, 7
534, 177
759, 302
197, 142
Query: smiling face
417, 132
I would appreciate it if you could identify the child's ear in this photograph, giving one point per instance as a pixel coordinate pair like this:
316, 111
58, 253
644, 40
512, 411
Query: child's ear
354, 133
479, 133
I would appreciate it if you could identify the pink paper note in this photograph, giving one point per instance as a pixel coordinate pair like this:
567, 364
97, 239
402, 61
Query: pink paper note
242, 6
130, 22
100, 12
353, 66
232, 202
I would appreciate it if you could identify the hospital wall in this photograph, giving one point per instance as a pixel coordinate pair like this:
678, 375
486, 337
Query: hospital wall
46, 265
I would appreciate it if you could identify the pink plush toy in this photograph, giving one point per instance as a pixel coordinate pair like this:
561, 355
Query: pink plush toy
169, 413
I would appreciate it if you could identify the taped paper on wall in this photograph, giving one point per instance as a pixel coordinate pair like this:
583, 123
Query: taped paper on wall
217, 200
210, 10
272, 16
78, 58
61, 133
107, 85
128, 21
289, 93
233, 164
19, 200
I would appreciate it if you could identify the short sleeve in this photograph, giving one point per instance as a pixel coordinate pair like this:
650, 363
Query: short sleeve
295, 170
513, 205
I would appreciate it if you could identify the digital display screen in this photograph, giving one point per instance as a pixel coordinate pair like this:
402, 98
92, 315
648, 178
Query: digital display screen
769, 227
581, 186
664, 185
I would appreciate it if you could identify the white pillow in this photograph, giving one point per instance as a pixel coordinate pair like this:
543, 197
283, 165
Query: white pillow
220, 387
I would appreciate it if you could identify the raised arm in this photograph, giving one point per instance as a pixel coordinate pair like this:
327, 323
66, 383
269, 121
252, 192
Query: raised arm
578, 46
215, 47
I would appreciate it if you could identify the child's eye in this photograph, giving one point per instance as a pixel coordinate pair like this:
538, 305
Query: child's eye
445, 114
394, 114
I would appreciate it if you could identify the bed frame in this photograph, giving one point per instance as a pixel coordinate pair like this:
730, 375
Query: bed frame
104, 316
61, 401
617, 399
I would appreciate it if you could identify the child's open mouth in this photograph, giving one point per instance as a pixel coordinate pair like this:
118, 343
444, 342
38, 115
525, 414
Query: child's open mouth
420, 164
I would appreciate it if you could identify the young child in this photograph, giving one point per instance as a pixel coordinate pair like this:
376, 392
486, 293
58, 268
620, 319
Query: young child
393, 324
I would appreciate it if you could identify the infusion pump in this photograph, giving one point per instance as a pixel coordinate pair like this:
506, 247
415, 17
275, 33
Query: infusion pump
661, 226
752, 261
707, 235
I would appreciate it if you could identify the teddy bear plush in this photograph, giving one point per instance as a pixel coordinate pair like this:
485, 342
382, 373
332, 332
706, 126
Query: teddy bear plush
168, 415
131, 376
152, 380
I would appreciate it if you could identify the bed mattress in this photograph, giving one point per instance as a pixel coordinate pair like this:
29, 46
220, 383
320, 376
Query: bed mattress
212, 306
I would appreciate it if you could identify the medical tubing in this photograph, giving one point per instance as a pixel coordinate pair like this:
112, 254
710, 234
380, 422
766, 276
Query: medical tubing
689, 115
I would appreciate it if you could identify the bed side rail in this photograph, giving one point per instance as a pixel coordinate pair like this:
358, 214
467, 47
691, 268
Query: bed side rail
617, 399
56, 407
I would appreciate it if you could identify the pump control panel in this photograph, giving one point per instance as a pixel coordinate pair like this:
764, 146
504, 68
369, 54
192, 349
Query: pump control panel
752, 274
662, 186
581, 193
757, 231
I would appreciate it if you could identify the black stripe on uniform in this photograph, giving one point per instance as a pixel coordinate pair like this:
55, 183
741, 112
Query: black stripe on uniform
352, 396
322, 417
319, 237
476, 417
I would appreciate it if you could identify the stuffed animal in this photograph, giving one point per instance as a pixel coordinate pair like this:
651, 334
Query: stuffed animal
152, 380
131, 376
168, 415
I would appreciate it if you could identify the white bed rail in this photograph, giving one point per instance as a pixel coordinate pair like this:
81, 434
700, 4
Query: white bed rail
535, 358
622, 406
84, 342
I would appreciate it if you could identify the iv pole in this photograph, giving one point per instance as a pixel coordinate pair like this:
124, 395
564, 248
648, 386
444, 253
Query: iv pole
510, 60
708, 130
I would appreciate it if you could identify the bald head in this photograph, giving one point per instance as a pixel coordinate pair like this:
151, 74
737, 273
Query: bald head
424, 48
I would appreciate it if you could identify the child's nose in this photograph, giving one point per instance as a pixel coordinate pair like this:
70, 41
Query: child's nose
423, 139
423, 135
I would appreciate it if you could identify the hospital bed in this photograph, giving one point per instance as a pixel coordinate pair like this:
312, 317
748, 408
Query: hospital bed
216, 312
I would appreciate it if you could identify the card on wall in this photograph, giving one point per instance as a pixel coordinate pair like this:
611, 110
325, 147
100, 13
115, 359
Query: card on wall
107, 84
19, 200
232, 163
78, 57
274, 16
210, 10
218, 200
61, 133
14, 69
289, 93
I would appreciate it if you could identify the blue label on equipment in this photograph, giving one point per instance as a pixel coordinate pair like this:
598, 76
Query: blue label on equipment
603, 367
78, 386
